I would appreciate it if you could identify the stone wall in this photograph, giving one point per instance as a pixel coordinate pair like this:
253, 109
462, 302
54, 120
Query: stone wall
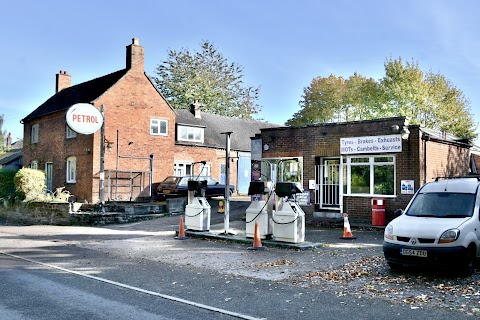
55, 213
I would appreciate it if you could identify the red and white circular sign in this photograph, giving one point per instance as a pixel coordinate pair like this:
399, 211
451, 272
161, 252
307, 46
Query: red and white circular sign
84, 118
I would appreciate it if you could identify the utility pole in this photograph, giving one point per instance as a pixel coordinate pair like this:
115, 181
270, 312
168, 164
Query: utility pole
151, 177
227, 183
102, 162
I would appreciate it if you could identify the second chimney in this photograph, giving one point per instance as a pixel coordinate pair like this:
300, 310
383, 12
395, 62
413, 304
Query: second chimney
63, 80
196, 109
9, 140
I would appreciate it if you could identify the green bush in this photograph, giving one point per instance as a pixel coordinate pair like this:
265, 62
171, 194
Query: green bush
30, 183
7, 186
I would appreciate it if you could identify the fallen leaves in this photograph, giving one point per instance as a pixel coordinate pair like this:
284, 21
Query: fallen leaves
277, 263
371, 277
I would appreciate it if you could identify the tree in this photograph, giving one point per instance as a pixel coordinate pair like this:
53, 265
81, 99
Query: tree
206, 76
2, 135
336, 99
426, 99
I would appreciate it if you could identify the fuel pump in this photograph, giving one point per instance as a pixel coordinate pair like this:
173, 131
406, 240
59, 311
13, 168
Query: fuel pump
260, 210
197, 210
289, 218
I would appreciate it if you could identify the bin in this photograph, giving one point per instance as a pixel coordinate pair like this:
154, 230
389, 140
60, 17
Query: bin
378, 212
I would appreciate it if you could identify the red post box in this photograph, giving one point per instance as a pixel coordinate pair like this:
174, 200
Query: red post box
378, 211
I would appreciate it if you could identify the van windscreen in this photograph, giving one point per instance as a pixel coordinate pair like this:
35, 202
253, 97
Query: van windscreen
442, 205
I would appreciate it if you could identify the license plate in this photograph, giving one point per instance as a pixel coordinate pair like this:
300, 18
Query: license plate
166, 191
415, 253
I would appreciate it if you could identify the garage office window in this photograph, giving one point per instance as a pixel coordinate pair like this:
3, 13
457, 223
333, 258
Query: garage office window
158, 127
369, 175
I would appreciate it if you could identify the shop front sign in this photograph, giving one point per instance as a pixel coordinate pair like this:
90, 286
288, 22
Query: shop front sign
371, 144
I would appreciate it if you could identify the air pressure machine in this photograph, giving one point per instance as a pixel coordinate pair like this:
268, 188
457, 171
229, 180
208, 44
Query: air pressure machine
289, 218
197, 211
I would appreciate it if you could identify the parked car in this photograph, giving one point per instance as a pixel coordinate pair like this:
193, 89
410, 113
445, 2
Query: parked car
174, 186
439, 227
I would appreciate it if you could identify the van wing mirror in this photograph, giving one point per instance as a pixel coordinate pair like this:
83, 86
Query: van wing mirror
398, 213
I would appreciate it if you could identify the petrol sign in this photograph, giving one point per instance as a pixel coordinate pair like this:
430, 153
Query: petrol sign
84, 118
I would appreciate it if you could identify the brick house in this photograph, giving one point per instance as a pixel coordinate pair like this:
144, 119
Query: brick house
343, 166
138, 122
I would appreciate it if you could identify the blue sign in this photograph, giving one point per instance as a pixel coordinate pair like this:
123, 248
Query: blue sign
303, 199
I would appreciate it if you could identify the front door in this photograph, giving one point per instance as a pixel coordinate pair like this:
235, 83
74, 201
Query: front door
328, 183
49, 175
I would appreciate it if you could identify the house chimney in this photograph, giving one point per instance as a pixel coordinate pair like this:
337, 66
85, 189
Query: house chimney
135, 56
196, 109
9, 140
63, 80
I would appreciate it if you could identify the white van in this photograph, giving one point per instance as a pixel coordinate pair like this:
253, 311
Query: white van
440, 227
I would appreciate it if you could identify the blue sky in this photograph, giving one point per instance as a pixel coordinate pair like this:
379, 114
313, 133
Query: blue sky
282, 45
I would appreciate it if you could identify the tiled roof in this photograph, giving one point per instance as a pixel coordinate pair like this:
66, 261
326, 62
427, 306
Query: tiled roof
10, 156
242, 129
85, 92
443, 136
17, 144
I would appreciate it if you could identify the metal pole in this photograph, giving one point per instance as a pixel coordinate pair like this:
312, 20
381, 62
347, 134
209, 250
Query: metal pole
227, 182
102, 160
151, 176
116, 172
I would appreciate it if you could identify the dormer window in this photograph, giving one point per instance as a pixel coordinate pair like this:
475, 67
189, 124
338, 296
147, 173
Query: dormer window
192, 134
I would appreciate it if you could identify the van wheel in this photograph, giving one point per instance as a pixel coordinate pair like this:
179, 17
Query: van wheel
470, 259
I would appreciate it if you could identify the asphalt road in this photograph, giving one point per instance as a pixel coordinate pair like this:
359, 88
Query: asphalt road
139, 271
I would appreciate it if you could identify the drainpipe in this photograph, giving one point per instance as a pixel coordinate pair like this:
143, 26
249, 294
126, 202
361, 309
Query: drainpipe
425, 159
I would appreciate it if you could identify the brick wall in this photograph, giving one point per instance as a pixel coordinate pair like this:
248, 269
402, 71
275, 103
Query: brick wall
446, 160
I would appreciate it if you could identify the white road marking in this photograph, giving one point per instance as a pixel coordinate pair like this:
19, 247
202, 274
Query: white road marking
153, 293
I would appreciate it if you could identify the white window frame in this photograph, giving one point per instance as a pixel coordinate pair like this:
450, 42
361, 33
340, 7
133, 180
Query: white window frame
71, 170
184, 133
34, 165
156, 127
347, 162
180, 168
34, 133
70, 134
